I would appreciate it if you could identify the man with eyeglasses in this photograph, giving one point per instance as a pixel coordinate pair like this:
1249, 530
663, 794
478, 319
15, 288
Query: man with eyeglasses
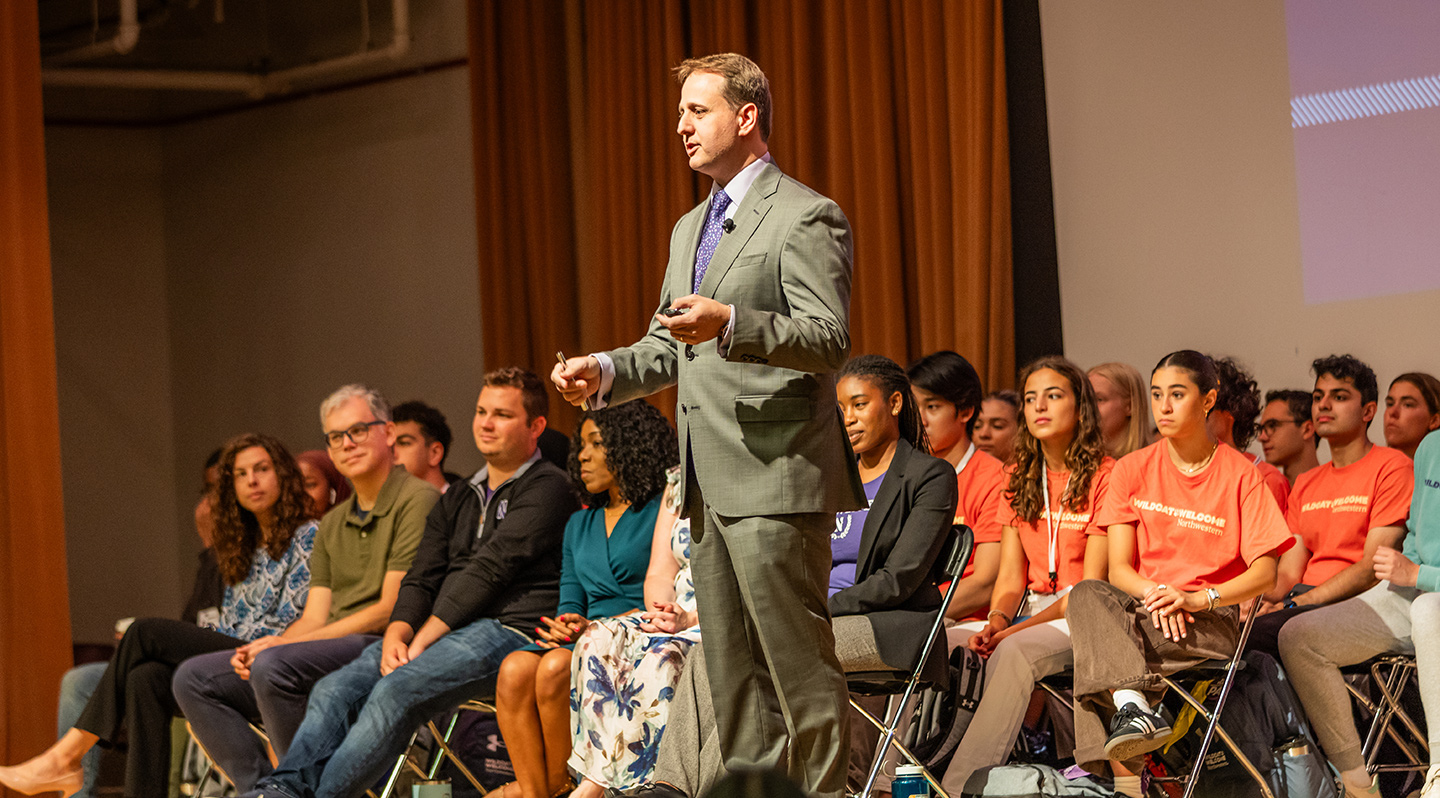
363, 549
1341, 512
1287, 434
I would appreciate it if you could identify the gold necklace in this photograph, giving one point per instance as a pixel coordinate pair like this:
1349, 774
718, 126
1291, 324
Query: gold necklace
1202, 463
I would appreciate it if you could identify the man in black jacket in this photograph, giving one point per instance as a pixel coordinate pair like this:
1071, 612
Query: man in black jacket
488, 566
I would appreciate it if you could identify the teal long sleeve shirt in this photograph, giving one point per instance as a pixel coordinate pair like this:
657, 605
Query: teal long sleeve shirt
1422, 544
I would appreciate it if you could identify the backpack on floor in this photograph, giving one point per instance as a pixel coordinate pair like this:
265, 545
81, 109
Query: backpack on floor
1033, 781
941, 716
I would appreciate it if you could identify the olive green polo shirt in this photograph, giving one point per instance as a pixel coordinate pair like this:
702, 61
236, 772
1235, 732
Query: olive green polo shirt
352, 553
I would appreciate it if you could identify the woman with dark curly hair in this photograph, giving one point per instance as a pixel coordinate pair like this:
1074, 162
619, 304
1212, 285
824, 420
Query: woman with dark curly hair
263, 536
1232, 420
618, 458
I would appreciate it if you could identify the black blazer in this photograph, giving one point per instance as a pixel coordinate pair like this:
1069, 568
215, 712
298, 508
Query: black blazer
904, 532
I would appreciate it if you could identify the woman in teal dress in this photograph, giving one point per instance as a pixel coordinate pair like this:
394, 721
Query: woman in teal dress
618, 457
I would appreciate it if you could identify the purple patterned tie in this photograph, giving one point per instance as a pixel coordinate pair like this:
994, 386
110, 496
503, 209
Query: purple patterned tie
710, 238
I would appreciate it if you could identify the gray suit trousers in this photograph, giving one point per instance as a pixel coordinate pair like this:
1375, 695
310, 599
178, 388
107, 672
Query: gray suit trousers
777, 687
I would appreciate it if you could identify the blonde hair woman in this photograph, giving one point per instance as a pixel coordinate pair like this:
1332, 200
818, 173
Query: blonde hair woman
1120, 393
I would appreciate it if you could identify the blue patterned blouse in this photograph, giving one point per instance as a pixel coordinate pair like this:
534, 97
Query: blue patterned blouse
273, 593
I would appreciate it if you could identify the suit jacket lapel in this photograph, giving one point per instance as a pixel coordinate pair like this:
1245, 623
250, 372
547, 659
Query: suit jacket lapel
889, 493
747, 219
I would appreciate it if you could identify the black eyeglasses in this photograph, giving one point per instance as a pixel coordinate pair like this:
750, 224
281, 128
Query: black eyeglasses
1269, 427
357, 434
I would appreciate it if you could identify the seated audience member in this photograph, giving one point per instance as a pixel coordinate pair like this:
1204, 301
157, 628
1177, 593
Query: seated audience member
1341, 512
422, 442
206, 592
995, 431
1412, 411
1286, 433
1049, 543
947, 391
364, 546
1232, 420
1124, 416
881, 619
640, 655
619, 456
1400, 615
262, 542
1193, 531
459, 608
323, 482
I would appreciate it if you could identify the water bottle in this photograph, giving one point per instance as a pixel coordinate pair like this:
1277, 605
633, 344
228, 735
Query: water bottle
431, 789
909, 782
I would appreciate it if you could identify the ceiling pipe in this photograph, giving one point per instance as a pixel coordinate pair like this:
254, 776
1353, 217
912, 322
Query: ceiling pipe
125, 38
255, 85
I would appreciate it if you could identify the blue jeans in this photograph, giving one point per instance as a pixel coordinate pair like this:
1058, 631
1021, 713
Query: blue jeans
76, 687
358, 723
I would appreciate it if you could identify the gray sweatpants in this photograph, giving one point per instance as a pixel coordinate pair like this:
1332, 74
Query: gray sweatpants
1385, 619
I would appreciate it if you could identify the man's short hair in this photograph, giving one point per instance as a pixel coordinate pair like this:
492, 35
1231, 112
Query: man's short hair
1298, 402
532, 390
378, 406
1349, 367
432, 423
745, 83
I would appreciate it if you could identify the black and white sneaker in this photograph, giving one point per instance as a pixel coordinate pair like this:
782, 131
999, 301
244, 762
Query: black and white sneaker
1135, 732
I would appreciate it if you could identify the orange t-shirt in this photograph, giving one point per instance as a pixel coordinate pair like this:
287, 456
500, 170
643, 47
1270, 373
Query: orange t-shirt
1277, 483
1198, 530
1072, 532
982, 485
1333, 509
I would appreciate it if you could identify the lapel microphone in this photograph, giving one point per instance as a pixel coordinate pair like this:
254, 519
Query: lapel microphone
728, 226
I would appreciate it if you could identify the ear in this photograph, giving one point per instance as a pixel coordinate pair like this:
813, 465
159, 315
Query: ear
964, 416
435, 453
897, 403
537, 426
749, 118
1307, 430
1434, 422
390, 434
1211, 396
1368, 414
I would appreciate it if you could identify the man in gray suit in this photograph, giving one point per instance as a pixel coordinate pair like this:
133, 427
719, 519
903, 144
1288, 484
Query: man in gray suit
753, 321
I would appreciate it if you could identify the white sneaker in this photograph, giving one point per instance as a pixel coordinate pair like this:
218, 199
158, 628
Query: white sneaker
1432, 784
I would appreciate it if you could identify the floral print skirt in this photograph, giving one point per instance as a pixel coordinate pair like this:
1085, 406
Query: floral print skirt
621, 682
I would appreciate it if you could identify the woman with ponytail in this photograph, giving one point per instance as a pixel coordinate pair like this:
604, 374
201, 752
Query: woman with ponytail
1193, 533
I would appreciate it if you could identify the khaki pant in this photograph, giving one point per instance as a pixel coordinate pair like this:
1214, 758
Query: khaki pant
1118, 647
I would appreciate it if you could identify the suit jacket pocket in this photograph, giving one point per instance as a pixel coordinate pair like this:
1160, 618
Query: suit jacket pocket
772, 408
745, 261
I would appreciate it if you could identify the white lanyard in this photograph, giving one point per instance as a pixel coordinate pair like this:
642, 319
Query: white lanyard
1050, 527
964, 461
1257, 459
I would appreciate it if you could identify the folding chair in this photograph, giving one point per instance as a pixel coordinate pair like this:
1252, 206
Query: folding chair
890, 682
212, 770
1389, 674
442, 751
1212, 718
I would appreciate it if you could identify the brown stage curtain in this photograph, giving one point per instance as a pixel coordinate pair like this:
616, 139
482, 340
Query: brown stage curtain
894, 109
34, 605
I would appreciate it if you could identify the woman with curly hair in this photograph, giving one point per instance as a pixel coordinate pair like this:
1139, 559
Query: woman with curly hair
618, 458
1193, 532
263, 536
1048, 543
1232, 421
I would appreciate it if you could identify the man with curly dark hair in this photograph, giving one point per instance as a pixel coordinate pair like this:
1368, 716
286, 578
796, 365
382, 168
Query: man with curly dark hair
1343, 511
488, 565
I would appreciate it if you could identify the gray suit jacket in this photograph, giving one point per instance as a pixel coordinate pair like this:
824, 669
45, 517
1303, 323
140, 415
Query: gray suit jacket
760, 427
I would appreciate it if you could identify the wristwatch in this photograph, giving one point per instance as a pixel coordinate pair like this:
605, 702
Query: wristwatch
1213, 596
